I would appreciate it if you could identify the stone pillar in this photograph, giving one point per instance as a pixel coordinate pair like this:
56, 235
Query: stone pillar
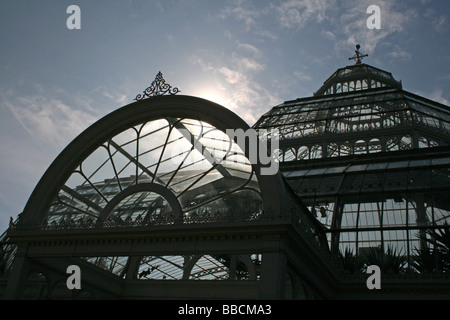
272, 281
233, 265
18, 276
133, 267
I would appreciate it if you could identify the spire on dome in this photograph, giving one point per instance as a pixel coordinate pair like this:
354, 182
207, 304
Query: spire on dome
358, 56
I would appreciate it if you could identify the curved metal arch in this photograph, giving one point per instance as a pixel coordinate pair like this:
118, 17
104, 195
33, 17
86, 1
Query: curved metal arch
152, 187
272, 186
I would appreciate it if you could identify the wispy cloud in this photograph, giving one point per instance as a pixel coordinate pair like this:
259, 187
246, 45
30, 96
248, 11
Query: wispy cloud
437, 95
118, 97
241, 11
441, 24
399, 53
237, 76
297, 13
302, 75
246, 95
38, 128
291, 14
439, 21
343, 22
250, 49
354, 18
49, 120
249, 95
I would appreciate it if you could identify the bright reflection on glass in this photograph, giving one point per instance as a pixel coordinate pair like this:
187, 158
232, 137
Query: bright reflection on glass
197, 163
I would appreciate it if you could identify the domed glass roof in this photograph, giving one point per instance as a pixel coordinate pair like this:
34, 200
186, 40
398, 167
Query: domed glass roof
372, 163
357, 77
360, 102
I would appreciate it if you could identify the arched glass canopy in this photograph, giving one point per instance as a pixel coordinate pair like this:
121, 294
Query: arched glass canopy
163, 161
174, 154
159, 171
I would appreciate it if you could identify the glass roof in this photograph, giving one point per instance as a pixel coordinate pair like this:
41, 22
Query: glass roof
386, 201
304, 125
371, 163
357, 77
201, 171
205, 176
184, 267
199, 165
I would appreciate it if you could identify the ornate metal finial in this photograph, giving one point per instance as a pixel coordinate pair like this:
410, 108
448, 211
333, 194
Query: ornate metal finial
158, 87
358, 56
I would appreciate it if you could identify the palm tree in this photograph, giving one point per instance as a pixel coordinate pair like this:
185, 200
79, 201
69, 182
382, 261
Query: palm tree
437, 256
424, 260
350, 261
390, 261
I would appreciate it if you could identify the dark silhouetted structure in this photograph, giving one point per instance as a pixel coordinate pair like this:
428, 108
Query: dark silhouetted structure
155, 200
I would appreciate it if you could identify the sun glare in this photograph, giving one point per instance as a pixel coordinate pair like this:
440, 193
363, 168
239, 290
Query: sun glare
215, 95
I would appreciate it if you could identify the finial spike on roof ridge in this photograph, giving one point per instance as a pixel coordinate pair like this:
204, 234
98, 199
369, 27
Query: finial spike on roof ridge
358, 56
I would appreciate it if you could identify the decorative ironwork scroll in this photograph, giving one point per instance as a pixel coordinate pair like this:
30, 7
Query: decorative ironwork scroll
158, 87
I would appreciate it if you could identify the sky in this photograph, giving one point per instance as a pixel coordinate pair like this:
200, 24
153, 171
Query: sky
247, 55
